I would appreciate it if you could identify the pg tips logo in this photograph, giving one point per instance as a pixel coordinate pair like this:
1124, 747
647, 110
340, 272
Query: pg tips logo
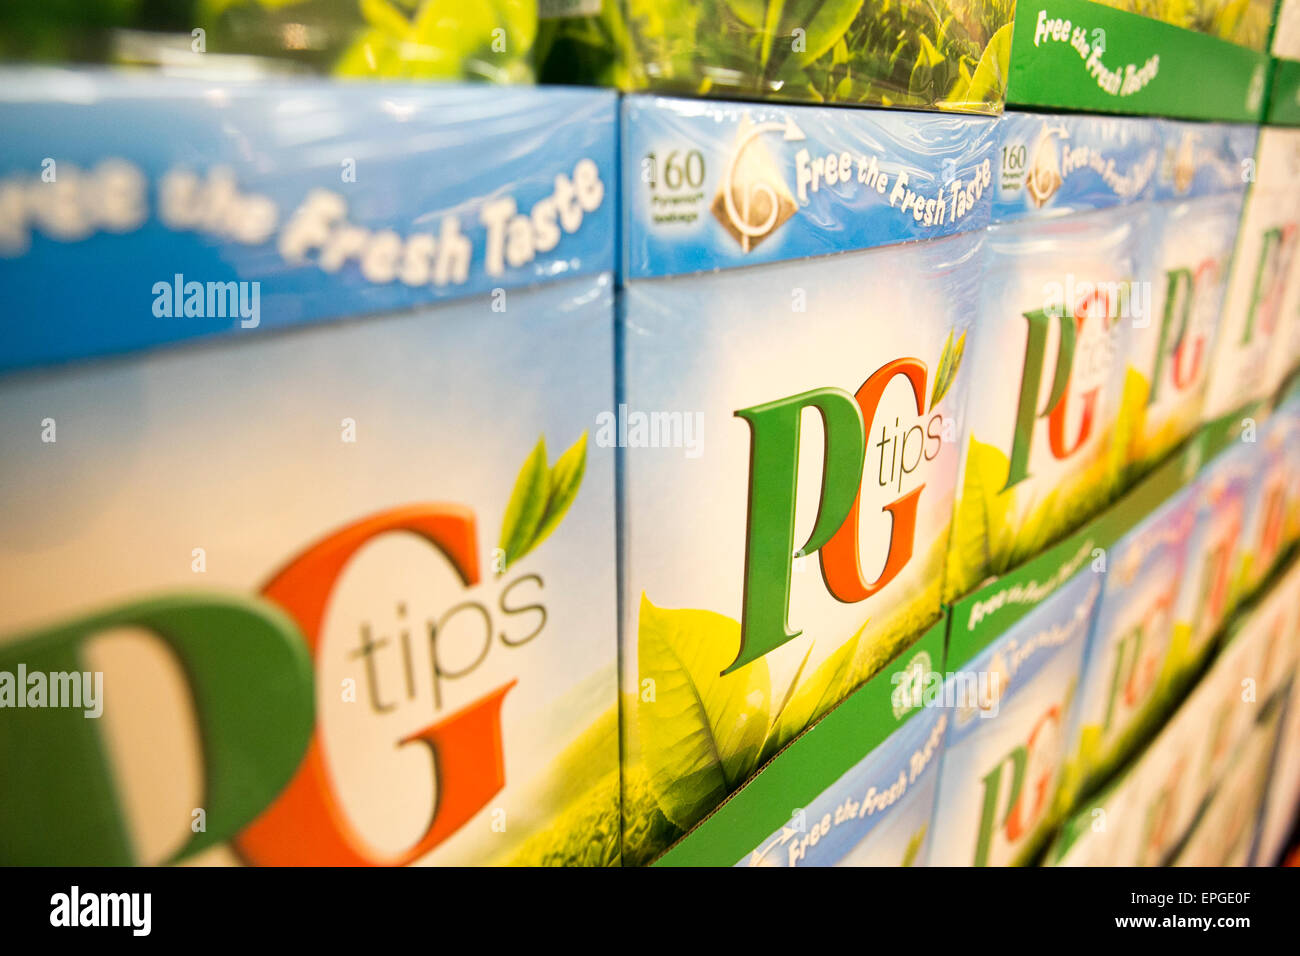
753, 200
1277, 246
1138, 655
1017, 791
1186, 324
468, 635
1078, 328
878, 442
253, 667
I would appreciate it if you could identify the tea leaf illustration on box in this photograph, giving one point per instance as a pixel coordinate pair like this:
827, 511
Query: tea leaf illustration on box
807, 702
703, 733
541, 498
1131, 422
993, 531
949, 363
914, 845
981, 535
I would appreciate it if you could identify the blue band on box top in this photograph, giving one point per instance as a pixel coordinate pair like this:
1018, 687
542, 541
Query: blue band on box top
711, 185
1204, 159
1051, 165
138, 211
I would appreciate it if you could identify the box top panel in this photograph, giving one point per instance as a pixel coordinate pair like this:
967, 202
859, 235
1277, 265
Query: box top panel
712, 185
1090, 57
1204, 159
1053, 165
152, 195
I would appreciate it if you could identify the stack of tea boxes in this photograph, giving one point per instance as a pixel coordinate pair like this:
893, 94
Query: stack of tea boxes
415, 474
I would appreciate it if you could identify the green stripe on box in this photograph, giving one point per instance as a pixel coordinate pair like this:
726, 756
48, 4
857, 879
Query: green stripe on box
807, 766
1284, 100
1078, 55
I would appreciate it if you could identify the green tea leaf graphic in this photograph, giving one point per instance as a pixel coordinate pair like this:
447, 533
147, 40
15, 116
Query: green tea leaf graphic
959, 352
526, 507
702, 733
941, 373
1039, 527
815, 697
914, 845
565, 478
1130, 423
981, 519
794, 685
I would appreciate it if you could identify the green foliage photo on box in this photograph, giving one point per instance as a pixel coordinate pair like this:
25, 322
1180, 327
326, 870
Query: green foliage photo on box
933, 54
488, 40
485, 40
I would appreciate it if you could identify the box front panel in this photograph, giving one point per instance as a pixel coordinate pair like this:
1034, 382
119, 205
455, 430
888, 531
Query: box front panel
788, 488
1057, 302
1004, 756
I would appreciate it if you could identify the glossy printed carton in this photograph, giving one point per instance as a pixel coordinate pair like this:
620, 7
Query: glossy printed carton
1284, 782
790, 398
1062, 287
1199, 186
1283, 793
1252, 308
1263, 533
1022, 640
1219, 496
1136, 641
348, 585
1284, 355
1282, 431
1144, 814
1104, 832
1224, 834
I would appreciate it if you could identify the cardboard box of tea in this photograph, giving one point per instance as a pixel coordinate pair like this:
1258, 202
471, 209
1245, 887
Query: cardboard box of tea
1023, 638
1144, 814
1190, 234
1247, 686
338, 592
864, 778
1063, 288
794, 365
1143, 58
940, 54
1242, 370
1137, 642
1284, 783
